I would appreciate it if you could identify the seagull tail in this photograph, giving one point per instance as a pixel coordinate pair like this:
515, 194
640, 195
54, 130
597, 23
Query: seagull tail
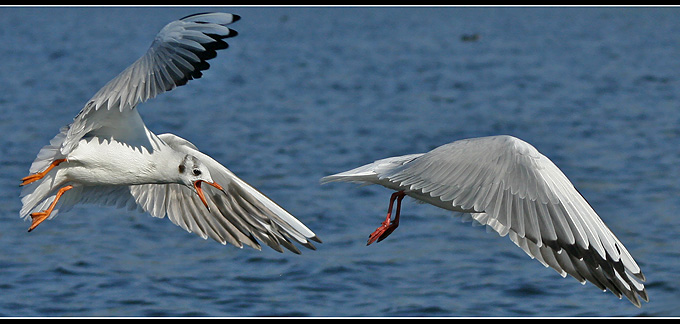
370, 173
38, 195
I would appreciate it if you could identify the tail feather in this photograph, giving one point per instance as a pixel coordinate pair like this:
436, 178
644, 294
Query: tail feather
50, 152
370, 173
38, 195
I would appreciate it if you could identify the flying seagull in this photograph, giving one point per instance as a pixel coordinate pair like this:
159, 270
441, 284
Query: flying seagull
107, 155
505, 183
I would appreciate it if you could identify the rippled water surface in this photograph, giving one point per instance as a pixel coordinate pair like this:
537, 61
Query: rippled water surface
305, 92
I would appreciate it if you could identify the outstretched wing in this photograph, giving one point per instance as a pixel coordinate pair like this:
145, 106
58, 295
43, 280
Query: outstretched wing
507, 184
178, 54
239, 215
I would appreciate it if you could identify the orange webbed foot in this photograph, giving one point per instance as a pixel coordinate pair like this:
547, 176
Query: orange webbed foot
382, 232
388, 226
32, 178
39, 217
37, 176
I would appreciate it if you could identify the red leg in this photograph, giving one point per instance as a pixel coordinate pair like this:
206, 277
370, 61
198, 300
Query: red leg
39, 217
37, 176
388, 226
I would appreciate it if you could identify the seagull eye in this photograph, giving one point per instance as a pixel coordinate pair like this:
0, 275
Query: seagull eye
197, 172
181, 168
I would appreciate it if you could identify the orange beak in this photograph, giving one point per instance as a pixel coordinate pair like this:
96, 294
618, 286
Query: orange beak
197, 185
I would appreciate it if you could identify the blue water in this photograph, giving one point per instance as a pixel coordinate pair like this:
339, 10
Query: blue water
306, 92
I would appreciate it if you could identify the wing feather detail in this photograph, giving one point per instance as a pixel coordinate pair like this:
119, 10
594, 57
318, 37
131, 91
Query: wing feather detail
179, 53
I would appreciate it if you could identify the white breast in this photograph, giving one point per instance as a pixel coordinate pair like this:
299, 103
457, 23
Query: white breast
99, 161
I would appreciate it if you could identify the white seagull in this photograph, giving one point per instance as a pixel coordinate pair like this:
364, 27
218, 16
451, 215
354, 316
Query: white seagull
505, 183
108, 156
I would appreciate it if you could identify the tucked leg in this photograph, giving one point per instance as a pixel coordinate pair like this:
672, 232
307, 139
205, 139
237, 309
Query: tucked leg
37, 176
39, 217
388, 226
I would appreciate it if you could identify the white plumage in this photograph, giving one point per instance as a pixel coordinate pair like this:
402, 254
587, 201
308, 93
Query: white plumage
505, 183
108, 156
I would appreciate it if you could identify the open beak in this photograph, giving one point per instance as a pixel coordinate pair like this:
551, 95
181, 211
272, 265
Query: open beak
199, 191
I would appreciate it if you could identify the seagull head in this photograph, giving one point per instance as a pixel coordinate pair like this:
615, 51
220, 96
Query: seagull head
193, 174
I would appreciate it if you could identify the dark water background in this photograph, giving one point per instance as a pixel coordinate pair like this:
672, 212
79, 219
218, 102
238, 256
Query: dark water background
306, 92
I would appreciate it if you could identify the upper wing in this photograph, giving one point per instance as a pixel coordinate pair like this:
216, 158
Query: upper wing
178, 54
241, 216
507, 184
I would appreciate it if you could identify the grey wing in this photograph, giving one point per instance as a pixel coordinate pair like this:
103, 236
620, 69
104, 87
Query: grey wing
178, 54
241, 216
507, 184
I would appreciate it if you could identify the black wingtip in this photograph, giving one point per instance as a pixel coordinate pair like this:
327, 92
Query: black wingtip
232, 33
235, 17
